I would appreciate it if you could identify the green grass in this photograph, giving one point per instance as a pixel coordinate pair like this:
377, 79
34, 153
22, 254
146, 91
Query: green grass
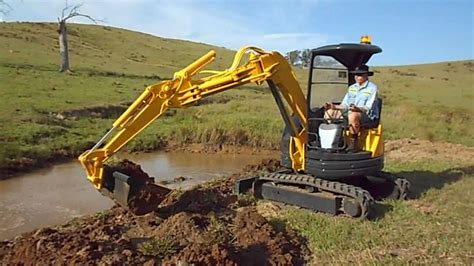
100, 49
432, 101
158, 247
434, 228
112, 67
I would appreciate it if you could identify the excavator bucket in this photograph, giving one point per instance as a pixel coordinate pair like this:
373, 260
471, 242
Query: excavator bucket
133, 189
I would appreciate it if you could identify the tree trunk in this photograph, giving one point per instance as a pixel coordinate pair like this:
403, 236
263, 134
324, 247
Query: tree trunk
63, 50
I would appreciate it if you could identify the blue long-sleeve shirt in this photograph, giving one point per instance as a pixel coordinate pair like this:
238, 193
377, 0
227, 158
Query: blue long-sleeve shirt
364, 96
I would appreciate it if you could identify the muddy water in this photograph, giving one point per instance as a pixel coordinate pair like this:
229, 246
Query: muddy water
55, 195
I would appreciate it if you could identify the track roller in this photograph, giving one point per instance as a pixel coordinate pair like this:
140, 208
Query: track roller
351, 207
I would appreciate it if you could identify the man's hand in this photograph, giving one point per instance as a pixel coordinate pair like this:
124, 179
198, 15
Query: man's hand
329, 106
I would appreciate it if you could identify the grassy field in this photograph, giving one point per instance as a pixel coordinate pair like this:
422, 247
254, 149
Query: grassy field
433, 228
47, 115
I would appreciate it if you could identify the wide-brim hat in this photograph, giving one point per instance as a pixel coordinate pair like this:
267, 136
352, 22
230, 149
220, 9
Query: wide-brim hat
363, 69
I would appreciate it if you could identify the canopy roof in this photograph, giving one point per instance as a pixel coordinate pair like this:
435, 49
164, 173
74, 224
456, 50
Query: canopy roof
350, 55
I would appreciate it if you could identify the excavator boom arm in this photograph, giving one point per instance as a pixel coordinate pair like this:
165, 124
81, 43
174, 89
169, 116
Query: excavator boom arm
182, 91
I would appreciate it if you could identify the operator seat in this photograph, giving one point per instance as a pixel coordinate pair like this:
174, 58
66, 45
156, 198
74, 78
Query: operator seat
375, 124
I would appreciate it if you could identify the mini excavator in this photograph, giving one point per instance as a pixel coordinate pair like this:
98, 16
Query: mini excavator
316, 175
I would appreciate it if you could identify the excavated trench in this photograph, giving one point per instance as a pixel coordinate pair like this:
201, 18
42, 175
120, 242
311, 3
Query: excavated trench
205, 225
57, 194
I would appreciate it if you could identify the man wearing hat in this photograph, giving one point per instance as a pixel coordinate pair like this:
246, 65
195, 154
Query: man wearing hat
361, 103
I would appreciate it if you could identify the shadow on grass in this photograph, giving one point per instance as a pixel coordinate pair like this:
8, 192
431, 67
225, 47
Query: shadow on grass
379, 210
422, 181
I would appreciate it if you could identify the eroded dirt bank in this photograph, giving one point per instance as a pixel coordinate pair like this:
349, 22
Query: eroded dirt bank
401, 149
24, 205
206, 225
17, 167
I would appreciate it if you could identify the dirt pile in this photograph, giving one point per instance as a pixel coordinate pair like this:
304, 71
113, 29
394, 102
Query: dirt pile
206, 225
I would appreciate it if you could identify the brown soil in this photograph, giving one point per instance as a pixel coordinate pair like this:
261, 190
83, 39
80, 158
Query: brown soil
416, 149
205, 225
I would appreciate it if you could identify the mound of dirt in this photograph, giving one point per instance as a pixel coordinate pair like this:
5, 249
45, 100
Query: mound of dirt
205, 225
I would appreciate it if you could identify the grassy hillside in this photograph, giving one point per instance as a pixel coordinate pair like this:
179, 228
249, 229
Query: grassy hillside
100, 48
47, 115
432, 101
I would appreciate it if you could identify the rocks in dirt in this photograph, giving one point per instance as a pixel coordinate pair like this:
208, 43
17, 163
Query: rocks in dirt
180, 179
177, 179
204, 225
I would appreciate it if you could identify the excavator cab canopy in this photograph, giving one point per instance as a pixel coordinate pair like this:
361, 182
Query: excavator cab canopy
329, 71
351, 55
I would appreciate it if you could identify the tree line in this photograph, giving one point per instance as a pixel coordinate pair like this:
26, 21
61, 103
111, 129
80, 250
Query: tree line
299, 57
303, 58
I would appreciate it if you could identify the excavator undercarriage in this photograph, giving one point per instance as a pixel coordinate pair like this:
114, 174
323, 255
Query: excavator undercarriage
307, 191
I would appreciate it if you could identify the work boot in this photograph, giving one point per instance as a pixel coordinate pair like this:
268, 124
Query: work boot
352, 145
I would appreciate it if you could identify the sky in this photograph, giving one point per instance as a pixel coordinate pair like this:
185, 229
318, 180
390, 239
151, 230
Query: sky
408, 31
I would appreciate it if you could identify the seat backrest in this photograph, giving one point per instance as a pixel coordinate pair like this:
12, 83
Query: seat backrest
379, 99
379, 103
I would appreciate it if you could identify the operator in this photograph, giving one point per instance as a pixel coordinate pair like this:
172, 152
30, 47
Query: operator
361, 104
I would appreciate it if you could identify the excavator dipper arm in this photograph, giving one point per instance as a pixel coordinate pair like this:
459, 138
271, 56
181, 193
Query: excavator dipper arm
182, 91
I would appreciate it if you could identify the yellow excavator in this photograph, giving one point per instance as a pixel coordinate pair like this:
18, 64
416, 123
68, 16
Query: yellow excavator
317, 175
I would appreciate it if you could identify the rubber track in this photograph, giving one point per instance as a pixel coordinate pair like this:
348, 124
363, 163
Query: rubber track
362, 196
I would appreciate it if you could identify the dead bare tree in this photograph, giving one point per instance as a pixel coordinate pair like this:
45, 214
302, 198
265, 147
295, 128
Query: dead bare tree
71, 11
5, 8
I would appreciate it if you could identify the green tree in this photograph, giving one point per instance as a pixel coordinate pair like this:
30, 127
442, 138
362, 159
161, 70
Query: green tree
293, 57
305, 57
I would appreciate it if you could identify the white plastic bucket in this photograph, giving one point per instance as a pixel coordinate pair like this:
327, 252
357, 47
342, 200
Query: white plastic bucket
329, 135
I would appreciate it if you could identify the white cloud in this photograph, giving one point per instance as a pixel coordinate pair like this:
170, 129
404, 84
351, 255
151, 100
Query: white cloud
217, 23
